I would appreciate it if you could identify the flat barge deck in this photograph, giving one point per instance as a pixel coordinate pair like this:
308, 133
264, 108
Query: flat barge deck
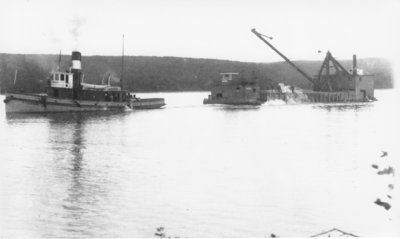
309, 96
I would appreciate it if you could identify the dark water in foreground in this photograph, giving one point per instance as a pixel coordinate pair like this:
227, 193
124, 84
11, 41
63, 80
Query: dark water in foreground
201, 171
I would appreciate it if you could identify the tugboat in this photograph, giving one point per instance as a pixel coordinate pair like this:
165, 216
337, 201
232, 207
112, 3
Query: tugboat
235, 91
67, 92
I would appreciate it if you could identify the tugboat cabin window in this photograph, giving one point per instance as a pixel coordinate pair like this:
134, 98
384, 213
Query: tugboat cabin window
61, 80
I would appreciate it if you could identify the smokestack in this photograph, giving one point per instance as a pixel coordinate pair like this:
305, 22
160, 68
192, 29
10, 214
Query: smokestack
354, 64
76, 61
76, 69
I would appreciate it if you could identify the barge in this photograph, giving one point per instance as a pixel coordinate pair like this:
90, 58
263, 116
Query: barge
232, 90
333, 83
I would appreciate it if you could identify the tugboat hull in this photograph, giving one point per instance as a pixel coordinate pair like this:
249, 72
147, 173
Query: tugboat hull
41, 103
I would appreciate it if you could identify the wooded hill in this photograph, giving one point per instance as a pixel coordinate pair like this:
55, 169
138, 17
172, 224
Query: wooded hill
152, 74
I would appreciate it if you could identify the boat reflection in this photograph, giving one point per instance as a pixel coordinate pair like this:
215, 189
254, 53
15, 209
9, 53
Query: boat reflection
344, 107
84, 186
64, 117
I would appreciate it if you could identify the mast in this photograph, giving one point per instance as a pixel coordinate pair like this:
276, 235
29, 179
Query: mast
15, 76
324, 81
122, 63
59, 61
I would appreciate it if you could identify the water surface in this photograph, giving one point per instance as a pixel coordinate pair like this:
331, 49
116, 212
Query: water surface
201, 170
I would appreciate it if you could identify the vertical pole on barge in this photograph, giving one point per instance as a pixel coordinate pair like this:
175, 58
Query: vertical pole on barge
122, 63
354, 65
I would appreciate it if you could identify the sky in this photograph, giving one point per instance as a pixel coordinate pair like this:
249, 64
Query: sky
218, 29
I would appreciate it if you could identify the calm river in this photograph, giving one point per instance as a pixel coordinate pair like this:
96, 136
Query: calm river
201, 170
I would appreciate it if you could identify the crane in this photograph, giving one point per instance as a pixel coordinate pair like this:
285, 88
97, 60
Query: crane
262, 37
323, 82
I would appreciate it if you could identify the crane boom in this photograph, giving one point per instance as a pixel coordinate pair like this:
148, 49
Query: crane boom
283, 56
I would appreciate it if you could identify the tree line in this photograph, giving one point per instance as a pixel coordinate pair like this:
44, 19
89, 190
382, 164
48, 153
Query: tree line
155, 74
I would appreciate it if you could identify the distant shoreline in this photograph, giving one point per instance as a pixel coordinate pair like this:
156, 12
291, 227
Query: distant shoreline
171, 74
